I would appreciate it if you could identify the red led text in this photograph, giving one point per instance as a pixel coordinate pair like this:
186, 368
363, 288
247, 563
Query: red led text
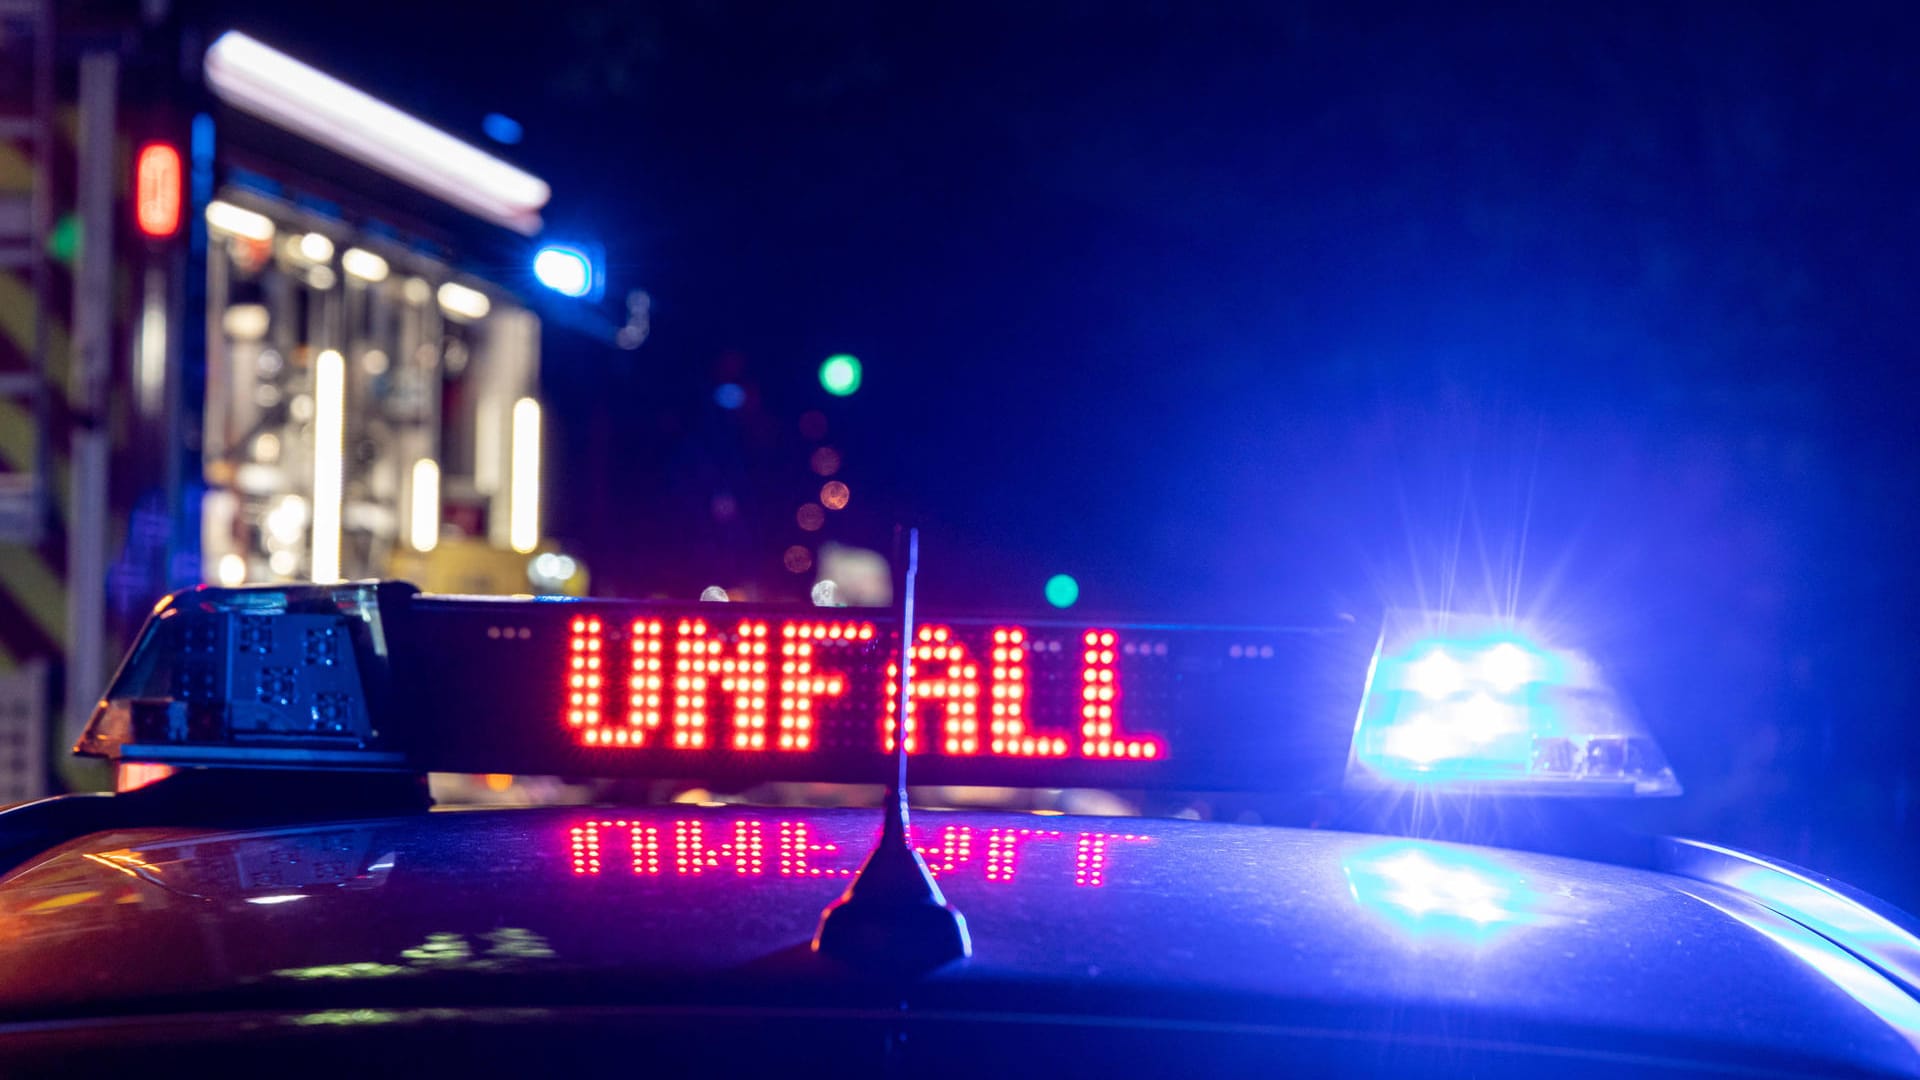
760, 686
751, 847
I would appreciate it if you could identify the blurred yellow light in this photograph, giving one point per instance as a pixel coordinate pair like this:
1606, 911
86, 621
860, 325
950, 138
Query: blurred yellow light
467, 303
316, 248
232, 569
364, 264
241, 222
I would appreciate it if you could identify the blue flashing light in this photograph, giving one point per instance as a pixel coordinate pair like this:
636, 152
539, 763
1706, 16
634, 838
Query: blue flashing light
729, 395
565, 269
1433, 890
1487, 703
504, 130
200, 141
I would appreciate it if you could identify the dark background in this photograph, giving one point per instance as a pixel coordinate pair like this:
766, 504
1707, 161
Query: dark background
1267, 312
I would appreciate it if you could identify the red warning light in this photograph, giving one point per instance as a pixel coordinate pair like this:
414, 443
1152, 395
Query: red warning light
156, 186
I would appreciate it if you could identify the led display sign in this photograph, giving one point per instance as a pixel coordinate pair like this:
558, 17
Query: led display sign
763, 686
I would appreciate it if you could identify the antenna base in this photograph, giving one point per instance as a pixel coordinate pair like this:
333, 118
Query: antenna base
893, 919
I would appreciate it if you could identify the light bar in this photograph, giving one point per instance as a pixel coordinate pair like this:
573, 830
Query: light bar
725, 692
329, 448
1478, 703
275, 87
523, 496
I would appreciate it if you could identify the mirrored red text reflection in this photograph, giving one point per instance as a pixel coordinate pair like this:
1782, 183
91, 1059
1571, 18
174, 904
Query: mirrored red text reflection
793, 848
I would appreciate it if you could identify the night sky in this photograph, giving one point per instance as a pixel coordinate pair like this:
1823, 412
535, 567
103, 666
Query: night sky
1268, 313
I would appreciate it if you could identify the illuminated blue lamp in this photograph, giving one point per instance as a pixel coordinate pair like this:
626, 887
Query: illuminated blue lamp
1489, 705
565, 269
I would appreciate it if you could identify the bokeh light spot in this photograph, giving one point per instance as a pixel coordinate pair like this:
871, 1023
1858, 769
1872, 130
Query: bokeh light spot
825, 461
810, 516
502, 129
840, 374
834, 495
729, 395
1062, 590
813, 424
798, 559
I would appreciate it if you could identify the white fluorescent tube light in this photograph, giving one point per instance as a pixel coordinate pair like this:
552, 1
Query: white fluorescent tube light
276, 87
329, 448
523, 498
424, 522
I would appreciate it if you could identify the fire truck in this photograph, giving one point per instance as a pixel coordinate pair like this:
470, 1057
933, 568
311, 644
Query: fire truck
254, 327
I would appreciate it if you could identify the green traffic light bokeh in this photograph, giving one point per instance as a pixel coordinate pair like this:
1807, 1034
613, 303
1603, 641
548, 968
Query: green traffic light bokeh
840, 374
1062, 590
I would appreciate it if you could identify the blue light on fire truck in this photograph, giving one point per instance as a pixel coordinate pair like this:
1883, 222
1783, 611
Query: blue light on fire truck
565, 269
1489, 703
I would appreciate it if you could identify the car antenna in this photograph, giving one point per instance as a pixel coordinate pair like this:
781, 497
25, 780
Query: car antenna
893, 918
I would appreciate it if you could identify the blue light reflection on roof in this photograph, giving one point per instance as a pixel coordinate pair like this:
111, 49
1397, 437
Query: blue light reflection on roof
1847, 972
1432, 890
1873, 936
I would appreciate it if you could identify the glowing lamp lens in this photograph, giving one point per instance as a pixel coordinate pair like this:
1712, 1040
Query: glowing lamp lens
157, 190
840, 375
1436, 675
1488, 705
1505, 668
565, 270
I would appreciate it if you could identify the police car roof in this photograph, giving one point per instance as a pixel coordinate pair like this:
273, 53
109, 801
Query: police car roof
1319, 937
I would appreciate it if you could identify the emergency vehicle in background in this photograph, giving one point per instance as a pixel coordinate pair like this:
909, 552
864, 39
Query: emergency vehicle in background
242, 339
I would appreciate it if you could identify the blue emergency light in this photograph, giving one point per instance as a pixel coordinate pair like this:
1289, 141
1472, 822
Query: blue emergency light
1478, 703
380, 677
566, 269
